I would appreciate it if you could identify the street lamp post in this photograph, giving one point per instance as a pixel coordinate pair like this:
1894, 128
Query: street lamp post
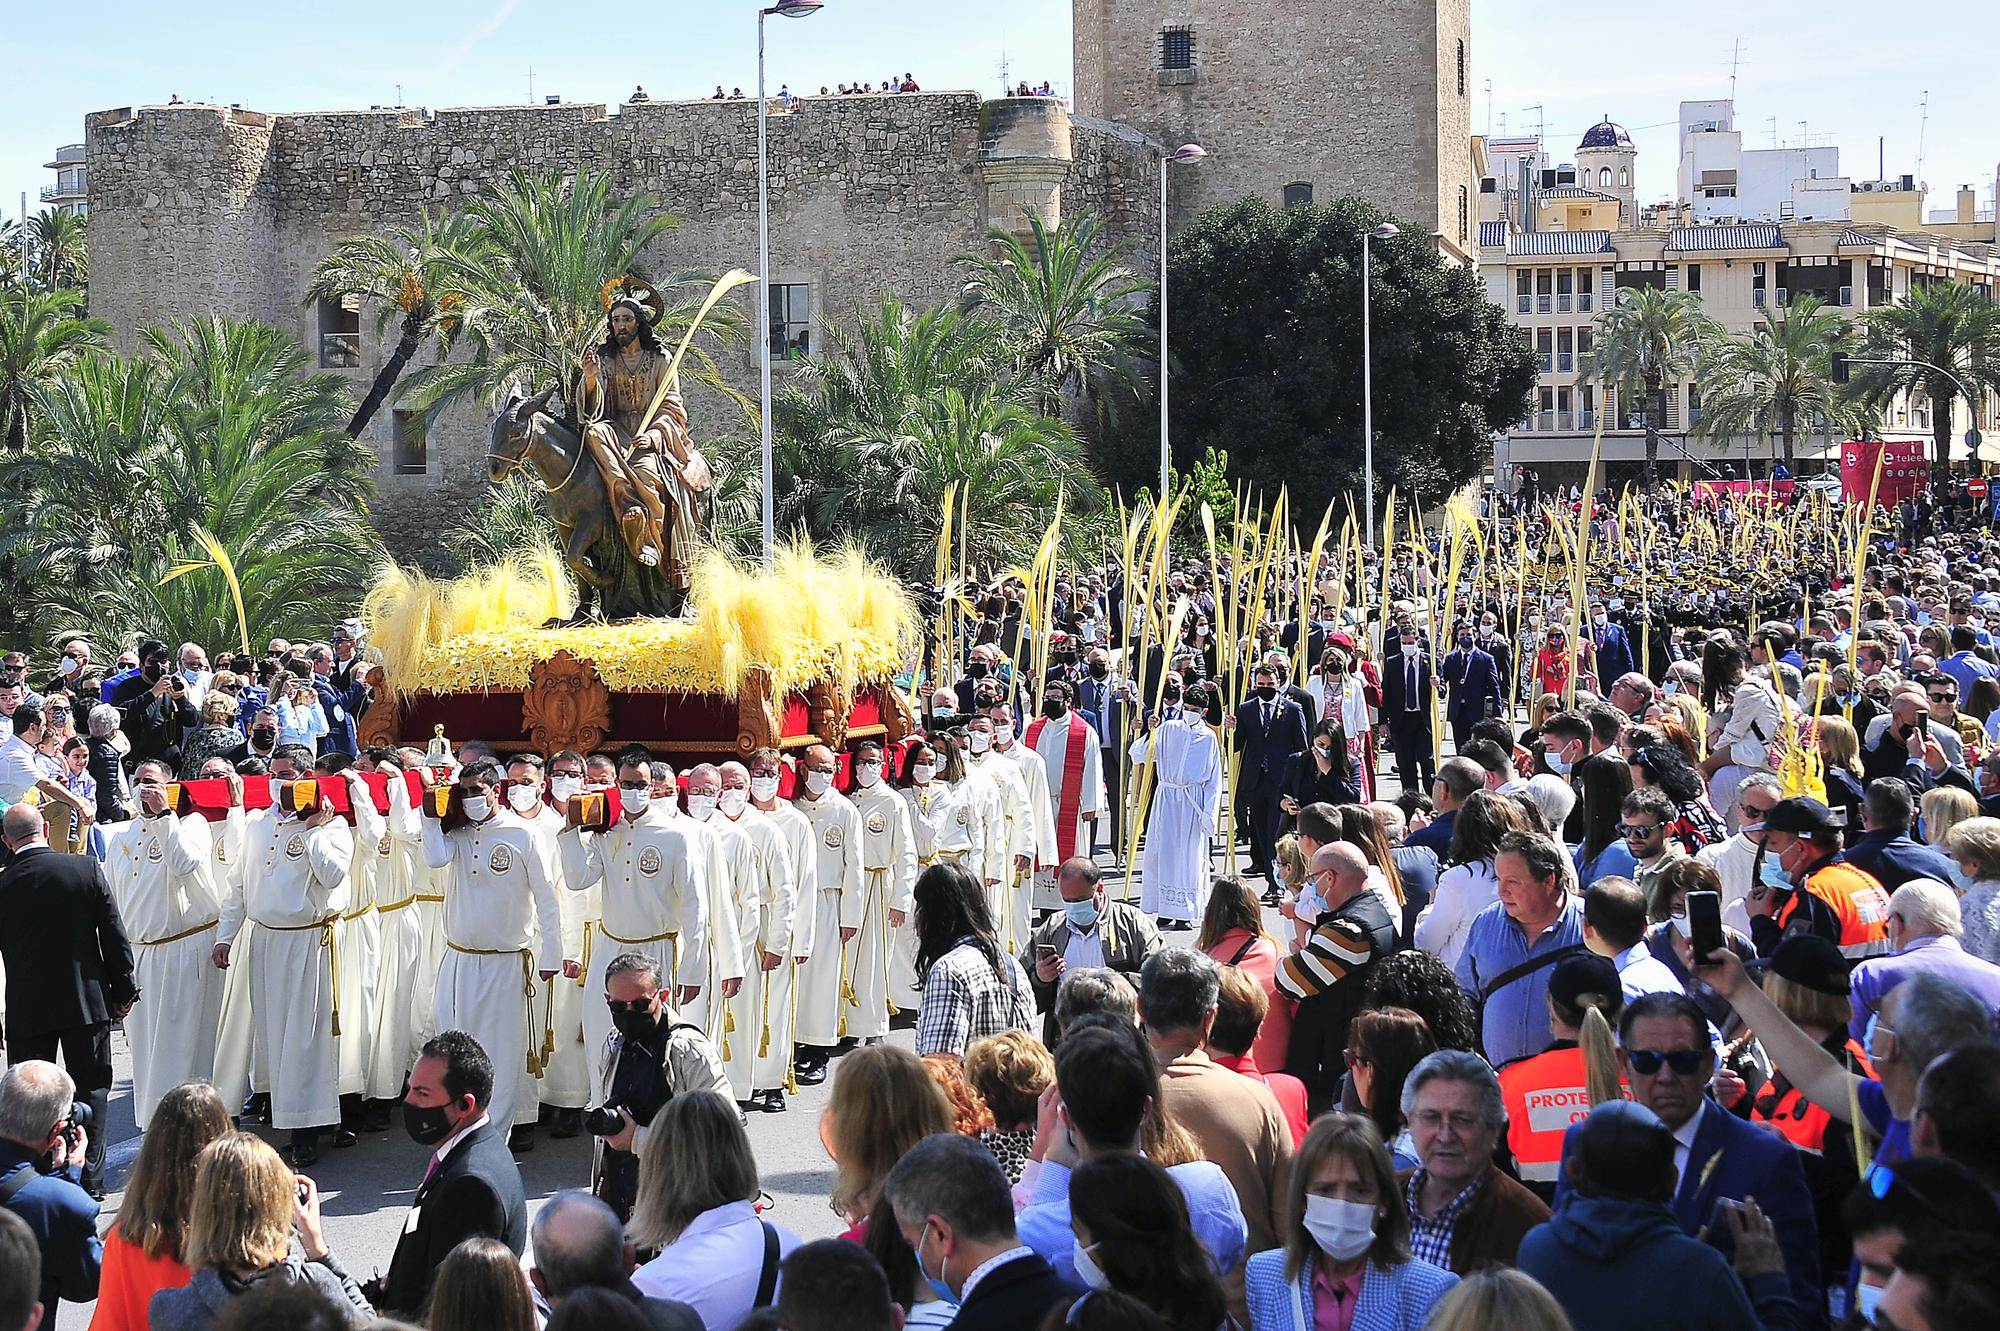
785, 9
1187, 152
1382, 232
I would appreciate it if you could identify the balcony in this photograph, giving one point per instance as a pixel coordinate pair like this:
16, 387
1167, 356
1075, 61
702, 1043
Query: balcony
1586, 419
1565, 420
1562, 303
70, 154
50, 193
1545, 362
1565, 362
1545, 421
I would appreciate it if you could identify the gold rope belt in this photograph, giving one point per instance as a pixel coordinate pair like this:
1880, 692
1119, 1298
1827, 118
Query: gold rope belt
429, 896
356, 914
175, 938
672, 936
948, 856
395, 905
327, 940
538, 1056
880, 877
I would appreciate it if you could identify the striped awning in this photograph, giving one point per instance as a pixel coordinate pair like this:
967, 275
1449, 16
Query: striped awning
1492, 234
1560, 242
1745, 236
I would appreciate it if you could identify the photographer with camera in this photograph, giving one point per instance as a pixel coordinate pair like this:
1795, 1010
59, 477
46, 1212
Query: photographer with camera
650, 1058
44, 1134
155, 706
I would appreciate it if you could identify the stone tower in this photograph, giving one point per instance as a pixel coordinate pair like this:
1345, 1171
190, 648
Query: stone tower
1606, 162
1294, 101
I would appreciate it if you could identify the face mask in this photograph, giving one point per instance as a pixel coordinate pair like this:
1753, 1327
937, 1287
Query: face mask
938, 1287
1671, 687
763, 788
523, 798
978, 741
1082, 914
1342, 1229
1409, 649
701, 807
478, 808
1099, 671
1054, 709
1771, 873
660, 806
943, 714
1170, 694
1324, 750
1867, 1298
635, 1026
924, 773
68, 666
1267, 692
264, 738
190, 675
818, 783
1597, 621
1557, 763
977, 670
1465, 640
1849, 699
867, 775
733, 802
152, 673
427, 1127
1681, 925
565, 786
1959, 878
1087, 1270
1486, 630
1003, 735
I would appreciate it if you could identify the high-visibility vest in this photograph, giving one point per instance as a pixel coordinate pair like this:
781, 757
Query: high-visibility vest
1802, 1122
1544, 1095
1856, 899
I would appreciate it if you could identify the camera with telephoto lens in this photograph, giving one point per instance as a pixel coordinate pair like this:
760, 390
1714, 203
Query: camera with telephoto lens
76, 1121
603, 1121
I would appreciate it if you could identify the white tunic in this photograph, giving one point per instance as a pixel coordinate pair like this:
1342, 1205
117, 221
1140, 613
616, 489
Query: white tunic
566, 1076
238, 1055
1021, 821
824, 1014
1174, 866
497, 895
165, 889
774, 1066
360, 942
888, 877
1046, 765
403, 956
770, 902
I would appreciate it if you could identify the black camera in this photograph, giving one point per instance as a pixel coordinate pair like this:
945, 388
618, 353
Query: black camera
78, 1119
603, 1121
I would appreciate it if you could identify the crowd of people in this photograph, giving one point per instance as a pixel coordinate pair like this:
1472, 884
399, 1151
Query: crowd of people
1673, 1007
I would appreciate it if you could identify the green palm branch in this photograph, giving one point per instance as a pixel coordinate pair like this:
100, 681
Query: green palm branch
41, 334
57, 247
1951, 326
1779, 377
1648, 337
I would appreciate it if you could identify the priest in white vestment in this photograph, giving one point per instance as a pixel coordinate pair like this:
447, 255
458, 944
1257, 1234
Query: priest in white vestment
1065, 755
888, 882
1175, 864
825, 981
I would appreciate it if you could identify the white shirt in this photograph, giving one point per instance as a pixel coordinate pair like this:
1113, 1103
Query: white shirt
1084, 949
1641, 973
714, 1265
1684, 1143
988, 1267
18, 769
445, 1147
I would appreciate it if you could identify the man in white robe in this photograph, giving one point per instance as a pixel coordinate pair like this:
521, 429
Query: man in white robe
724, 963
497, 894
427, 904
158, 865
760, 1016
236, 1047
295, 886
563, 1092
398, 852
1016, 853
888, 881
824, 984
358, 943
649, 875
1175, 863
1065, 756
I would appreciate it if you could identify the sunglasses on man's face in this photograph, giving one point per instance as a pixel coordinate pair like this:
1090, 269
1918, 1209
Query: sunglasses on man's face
1637, 831
1944, 697
1684, 1062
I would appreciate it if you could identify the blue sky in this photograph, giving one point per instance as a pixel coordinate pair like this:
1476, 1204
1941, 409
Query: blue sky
1850, 70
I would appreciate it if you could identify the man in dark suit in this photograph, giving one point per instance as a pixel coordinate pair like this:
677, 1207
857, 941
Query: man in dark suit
1406, 707
579, 1244
1717, 1156
1471, 681
1613, 648
69, 966
1270, 732
154, 707
952, 1205
471, 1188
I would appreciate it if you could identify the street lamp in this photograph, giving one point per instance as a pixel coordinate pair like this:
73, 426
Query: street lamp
1382, 232
784, 9
1187, 152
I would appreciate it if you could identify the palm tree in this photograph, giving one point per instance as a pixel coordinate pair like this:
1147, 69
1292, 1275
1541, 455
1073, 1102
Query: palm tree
1935, 332
220, 428
1778, 376
1651, 335
57, 246
526, 290
1068, 319
41, 333
402, 276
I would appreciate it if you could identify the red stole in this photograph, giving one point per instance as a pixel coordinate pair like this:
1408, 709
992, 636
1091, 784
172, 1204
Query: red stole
1072, 784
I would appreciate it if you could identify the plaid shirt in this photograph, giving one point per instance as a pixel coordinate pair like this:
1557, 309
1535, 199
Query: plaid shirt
966, 1000
1430, 1238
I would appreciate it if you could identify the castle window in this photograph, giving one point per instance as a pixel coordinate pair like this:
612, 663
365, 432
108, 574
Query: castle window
1297, 194
1624, 177
340, 333
1604, 178
410, 447
1461, 67
1177, 48
791, 320
1464, 214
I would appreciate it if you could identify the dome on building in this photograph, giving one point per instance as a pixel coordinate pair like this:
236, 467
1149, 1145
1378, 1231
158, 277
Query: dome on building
1605, 134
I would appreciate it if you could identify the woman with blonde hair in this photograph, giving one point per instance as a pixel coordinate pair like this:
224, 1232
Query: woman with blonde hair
144, 1249
1840, 752
246, 1207
884, 1101
481, 1287
1501, 1299
1974, 846
1585, 999
1346, 1227
1940, 809
1233, 934
1009, 1071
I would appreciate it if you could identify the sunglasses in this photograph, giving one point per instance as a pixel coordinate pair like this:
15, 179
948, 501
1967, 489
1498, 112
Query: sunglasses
635, 1005
1944, 697
1684, 1062
641, 789
1882, 1179
1636, 831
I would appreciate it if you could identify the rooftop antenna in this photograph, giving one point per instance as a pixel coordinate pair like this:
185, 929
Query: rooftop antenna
1489, 109
1735, 63
1541, 123
1005, 82
1773, 122
1923, 123
399, 94
531, 85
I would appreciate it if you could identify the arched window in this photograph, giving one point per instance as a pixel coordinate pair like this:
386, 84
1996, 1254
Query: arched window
1298, 193
1604, 178
1624, 176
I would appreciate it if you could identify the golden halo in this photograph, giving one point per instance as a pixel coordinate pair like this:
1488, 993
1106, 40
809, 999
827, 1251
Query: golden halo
630, 288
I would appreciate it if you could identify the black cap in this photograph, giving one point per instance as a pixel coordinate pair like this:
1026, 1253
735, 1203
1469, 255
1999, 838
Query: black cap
1812, 962
1936, 1190
1585, 973
1625, 1149
1803, 815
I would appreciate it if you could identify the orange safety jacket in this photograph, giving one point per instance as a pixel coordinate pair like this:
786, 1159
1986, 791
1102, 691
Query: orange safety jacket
1802, 1122
1856, 899
1544, 1095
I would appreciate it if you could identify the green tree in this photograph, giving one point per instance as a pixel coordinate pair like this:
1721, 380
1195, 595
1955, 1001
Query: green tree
1953, 330
1070, 319
57, 249
1266, 358
41, 334
402, 276
1777, 377
527, 290
1647, 337
220, 427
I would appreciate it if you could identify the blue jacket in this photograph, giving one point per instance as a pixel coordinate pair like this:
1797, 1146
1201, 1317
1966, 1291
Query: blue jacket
64, 1219
1471, 681
1734, 1159
1395, 1298
1436, 835
1614, 653
1268, 749
343, 709
1617, 1265
1895, 859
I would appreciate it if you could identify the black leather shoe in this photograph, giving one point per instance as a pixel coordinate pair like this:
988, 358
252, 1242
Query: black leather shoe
301, 1157
773, 1102
521, 1140
344, 1138
810, 1075
257, 1109
568, 1123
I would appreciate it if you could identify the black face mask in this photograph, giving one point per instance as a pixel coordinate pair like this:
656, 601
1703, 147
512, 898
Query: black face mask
427, 1127
264, 738
1054, 709
1267, 691
152, 673
1170, 694
977, 670
1099, 671
637, 1027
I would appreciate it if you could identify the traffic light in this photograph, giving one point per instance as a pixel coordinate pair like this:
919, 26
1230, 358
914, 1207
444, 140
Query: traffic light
1839, 360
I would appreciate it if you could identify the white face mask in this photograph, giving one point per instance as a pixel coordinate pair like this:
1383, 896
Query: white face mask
1003, 735
701, 807
733, 803
763, 788
818, 783
978, 741
565, 786
867, 775
924, 773
1409, 649
478, 808
661, 806
1087, 1270
1342, 1229
523, 799
1681, 925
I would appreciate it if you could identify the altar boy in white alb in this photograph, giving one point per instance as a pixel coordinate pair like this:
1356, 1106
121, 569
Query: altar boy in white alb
888, 880
825, 981
497, 894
